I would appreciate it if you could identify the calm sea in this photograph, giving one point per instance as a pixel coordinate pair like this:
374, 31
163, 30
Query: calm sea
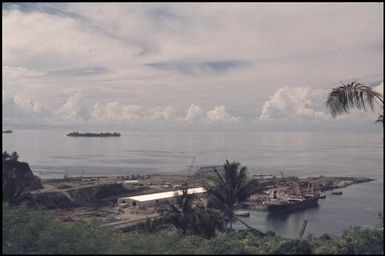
52, 154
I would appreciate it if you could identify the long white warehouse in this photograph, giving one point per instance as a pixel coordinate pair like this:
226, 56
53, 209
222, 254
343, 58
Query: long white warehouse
155, 198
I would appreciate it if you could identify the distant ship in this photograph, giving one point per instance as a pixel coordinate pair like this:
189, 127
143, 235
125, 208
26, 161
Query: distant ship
7, 131
89, 134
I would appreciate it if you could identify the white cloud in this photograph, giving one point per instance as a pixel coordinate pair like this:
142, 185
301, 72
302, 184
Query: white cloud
293, 103
105, 51
74, 109
219, 114
20, 108
31, 106
17, 72
115, 112
193, 113
161, 113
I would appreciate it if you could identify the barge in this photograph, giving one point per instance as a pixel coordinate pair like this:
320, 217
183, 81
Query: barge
89, 134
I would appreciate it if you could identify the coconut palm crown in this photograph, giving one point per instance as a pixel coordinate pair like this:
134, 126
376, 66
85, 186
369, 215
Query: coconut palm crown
228, 187
354, 95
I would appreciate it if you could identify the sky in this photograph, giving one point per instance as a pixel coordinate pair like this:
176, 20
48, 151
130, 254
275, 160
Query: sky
252, 66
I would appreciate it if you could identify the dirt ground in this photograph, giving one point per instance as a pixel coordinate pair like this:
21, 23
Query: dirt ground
110, 213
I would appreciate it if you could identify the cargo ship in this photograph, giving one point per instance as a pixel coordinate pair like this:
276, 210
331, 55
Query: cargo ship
291, 204
291, 201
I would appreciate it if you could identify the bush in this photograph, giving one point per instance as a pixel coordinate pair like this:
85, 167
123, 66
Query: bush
355, 240
34, 231
294, 247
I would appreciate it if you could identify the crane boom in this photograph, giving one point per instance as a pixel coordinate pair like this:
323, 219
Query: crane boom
191, 166
302, 231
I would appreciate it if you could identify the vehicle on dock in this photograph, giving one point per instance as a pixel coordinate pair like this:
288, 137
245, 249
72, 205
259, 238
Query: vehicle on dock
337, 193
322, 197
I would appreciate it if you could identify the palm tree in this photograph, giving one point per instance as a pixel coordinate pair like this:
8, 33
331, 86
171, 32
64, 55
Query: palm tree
181, 214
354, 95
153, 226
207, 221
229, 187
189, 214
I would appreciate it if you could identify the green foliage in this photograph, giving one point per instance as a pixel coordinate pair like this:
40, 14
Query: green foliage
153, 226
34, 231
190, 216
28, 231
355, 240
21, 227
294, 247
17, 179
380, 220
228, 188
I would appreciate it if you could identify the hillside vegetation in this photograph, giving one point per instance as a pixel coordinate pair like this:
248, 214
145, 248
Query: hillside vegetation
34, 231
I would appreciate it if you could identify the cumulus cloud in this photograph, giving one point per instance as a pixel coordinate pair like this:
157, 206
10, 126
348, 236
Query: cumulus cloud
193, 113
115, 112
119, 112
138, 62
30, 106
161, 113
219, 114
74, 109
20, 108
294, 103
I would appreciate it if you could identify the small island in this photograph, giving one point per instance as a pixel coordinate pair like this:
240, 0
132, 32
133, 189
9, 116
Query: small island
7, 131
89, 134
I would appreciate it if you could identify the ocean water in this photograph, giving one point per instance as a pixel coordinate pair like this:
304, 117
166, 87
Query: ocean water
52, 154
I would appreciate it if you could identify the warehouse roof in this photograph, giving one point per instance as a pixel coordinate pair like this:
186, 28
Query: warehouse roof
163, 195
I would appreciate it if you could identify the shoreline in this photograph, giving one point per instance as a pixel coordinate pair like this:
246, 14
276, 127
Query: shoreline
96, 197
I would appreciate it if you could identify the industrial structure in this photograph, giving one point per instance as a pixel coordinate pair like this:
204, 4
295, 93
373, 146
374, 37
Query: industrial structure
155, 199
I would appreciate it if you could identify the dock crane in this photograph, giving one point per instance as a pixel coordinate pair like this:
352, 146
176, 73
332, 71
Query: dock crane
191, 166
189, 171
283, 176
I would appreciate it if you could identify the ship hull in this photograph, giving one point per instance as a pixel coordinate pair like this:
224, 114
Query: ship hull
293, 206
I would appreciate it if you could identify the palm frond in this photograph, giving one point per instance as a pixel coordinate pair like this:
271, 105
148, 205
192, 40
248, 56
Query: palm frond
352, 95
231, 187
380, 118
